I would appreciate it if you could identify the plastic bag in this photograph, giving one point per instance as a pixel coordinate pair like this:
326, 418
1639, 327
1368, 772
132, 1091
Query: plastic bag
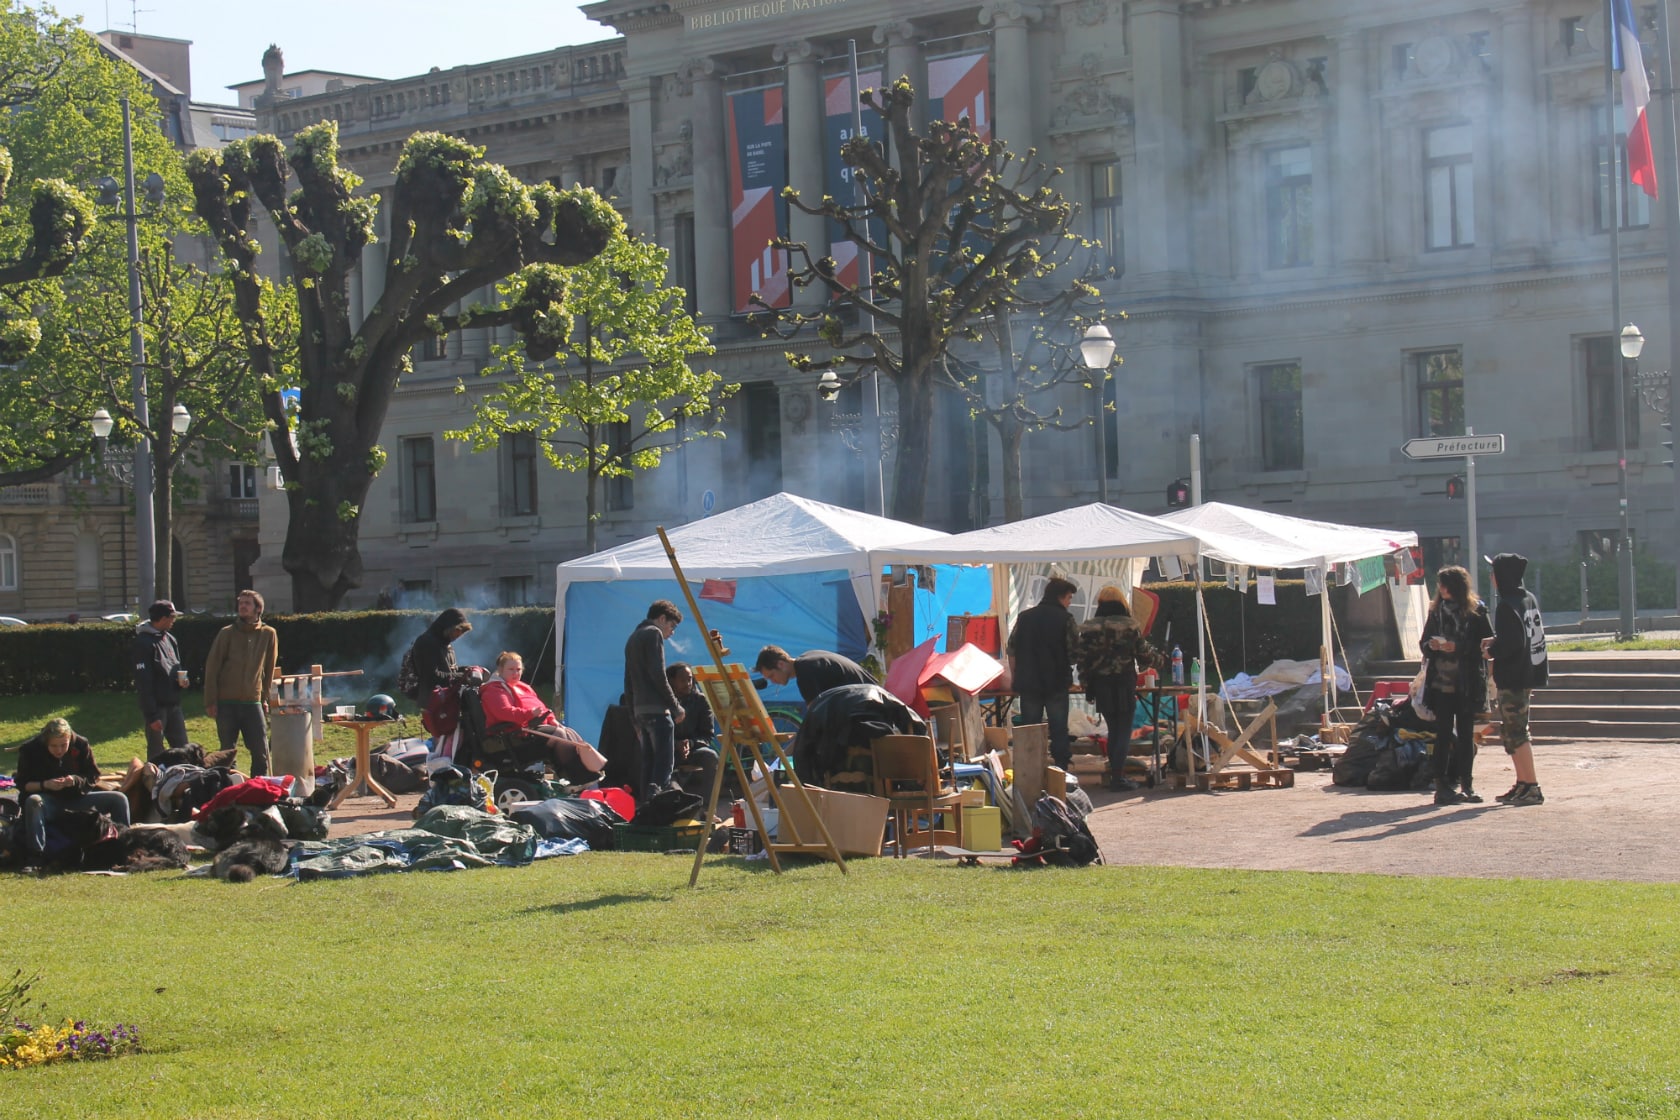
1422, 709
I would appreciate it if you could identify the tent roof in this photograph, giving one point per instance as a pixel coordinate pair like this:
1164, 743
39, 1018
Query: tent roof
1091, 532
781, 533
1237, 535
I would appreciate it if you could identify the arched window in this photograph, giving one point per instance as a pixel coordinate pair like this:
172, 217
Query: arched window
8, 563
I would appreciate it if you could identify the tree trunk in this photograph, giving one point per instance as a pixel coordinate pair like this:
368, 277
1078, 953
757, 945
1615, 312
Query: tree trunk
321, 552
591, 487
1010, 435
915, 444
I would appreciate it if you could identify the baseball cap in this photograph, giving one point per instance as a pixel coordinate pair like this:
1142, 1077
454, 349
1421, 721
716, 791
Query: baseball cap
163, 608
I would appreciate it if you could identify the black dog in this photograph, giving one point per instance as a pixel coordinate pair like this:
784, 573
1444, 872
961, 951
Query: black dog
101, 844
247, 859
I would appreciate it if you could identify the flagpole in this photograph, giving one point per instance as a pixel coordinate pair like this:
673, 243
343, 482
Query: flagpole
1624, 543
1668, 179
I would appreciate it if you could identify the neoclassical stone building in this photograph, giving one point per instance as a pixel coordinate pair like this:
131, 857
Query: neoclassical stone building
1335, 225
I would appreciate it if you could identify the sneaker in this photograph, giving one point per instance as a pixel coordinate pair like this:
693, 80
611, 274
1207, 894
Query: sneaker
1506, 797
1529, 796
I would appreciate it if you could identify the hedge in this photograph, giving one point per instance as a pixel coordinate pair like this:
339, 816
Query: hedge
94, 656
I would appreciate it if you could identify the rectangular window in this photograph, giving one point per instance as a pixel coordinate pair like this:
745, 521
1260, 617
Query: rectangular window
419, 480
1105, 216
8, 563
1438, 553
514, 591
519, 474
1289, 206
1439, 375
434, 348
1281, 435
682, 261
1634, 202
242, 480
1599, 356
761, 421
621, 491
1449, 182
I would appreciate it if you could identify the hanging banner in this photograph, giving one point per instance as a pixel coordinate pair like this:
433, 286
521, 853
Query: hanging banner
959, 86
1266, 585
1315, 581
1372, 572
757, 143
838, 100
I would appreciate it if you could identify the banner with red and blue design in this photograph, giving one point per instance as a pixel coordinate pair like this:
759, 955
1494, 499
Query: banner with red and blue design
758, 173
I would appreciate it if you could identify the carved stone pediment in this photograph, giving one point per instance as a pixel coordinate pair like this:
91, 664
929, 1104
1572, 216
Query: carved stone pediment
1090, 103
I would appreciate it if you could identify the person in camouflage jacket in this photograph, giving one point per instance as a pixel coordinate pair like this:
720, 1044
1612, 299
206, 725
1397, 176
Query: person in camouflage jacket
1109, 649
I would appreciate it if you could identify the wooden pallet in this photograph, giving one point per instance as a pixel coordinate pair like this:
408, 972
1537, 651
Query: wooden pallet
1236, 779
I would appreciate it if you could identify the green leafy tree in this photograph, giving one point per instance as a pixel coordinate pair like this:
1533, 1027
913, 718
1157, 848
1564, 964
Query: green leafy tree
458, 225
195, 358
966, 225
621, 391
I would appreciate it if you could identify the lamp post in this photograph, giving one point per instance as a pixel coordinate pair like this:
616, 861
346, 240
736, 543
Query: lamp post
1656, 390
1097, 350
128, 474
1632, 342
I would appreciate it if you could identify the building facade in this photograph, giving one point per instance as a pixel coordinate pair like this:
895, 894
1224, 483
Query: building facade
1335, 225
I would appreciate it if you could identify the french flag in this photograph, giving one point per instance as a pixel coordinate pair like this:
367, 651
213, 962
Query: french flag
1636, 94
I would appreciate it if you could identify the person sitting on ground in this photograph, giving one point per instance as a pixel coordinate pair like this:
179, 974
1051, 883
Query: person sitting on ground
1108, 648
55, 773
509, 700
697, 756
814, 671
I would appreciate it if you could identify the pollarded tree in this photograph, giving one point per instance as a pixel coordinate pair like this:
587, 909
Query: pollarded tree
965, 225
459, 226
623, 393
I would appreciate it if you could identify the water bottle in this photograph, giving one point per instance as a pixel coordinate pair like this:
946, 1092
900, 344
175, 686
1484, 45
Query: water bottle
1177, 665
1196, 671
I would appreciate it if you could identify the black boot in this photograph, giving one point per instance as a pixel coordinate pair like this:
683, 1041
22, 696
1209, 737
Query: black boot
1469, 794
1446, 795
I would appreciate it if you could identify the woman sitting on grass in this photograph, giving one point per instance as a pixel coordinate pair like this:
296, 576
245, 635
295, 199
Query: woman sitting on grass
56, 772
509, 700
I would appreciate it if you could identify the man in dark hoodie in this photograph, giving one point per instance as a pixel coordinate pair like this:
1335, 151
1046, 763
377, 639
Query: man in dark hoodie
433, 658
1518, 652
1041, 654
648, 692
159, 679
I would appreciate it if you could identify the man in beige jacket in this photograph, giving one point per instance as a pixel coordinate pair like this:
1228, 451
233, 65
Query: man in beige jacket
236, 680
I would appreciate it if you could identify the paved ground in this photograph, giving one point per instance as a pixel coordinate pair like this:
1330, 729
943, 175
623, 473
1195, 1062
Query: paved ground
1612, 811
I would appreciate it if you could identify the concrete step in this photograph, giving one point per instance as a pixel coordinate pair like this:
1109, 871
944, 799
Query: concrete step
1616, 661
1605, 713
1612, 682
1601, 697
1602, 729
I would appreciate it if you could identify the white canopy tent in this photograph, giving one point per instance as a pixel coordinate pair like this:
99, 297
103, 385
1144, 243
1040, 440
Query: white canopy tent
770, 543
1257, 539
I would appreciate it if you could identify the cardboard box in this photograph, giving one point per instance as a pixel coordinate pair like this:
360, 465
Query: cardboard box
982, 829
856, 821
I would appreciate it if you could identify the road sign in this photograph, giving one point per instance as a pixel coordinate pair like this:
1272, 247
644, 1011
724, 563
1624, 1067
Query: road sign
1453, 447
708, 502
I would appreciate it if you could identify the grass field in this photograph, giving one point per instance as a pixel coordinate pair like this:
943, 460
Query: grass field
600, 986
1598, 645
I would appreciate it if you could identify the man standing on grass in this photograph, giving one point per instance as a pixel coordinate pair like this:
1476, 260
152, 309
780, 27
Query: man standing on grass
1518, 652
648, 692
237, 675
159, 679
1041, 654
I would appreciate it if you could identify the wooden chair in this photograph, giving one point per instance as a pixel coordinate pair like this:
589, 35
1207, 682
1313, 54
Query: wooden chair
907, 774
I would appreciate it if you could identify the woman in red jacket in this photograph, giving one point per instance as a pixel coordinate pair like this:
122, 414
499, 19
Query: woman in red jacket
508, 700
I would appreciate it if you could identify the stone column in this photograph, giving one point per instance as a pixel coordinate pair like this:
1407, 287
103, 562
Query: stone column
805, 133
903, 55
639, 95
1012, 84
1352, 178
1162, 143
1518, 182
711, 188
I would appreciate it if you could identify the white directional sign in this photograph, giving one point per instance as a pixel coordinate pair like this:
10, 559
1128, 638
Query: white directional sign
1453, 447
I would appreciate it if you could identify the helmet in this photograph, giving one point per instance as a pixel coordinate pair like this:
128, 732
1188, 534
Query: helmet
379, 707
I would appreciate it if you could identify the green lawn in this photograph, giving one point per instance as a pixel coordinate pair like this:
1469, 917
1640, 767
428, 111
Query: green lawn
1588, 645
600, 986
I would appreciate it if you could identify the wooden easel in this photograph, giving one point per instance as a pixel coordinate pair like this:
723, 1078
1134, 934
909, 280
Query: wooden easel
743, 723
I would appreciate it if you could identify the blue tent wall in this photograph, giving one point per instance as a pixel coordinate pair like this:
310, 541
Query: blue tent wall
807, 610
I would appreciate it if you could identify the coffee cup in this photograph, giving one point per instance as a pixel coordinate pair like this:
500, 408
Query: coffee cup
344, 711
182, 680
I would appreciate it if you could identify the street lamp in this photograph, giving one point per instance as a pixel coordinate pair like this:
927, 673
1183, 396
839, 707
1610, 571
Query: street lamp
1656, 390
1632, 342
1097, 350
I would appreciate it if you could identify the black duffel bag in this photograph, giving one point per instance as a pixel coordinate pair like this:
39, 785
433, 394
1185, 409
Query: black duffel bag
569, 818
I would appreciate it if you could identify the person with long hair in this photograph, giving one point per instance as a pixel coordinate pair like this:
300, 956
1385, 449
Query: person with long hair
1108, 649
1455, 681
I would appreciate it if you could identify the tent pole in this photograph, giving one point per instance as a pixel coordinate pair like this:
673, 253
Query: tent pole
1326, 670
1201, 654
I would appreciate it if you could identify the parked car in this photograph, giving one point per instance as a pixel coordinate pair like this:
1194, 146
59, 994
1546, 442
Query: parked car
130, 617
8, 620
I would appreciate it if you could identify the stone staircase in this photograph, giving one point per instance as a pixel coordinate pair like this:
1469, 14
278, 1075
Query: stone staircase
1616, 694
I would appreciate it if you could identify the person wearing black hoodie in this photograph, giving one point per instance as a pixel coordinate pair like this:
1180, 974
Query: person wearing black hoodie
1455, 685
1518, 652
433, 657
1041, 654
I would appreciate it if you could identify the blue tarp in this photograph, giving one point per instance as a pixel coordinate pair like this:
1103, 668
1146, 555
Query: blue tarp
798, 611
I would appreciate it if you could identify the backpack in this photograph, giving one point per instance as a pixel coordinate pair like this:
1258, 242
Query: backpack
408, 681
1063, 836
395, 775
451, 786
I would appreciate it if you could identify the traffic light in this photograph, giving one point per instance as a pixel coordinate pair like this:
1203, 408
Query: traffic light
1178, 494
1455, 488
